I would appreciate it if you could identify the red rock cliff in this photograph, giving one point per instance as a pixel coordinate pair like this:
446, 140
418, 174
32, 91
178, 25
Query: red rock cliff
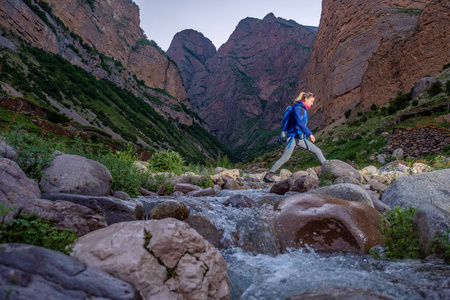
367, 51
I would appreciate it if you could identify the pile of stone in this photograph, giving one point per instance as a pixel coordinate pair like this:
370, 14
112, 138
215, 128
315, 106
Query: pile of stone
419, 140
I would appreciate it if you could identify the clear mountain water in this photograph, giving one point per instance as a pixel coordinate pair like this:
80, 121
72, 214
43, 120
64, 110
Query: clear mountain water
257, 270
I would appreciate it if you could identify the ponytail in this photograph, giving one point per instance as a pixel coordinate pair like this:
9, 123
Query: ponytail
303, 95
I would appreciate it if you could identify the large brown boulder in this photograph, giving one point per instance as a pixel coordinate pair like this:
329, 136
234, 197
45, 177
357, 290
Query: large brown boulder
162, 259
75, 174
327, 224
15, 188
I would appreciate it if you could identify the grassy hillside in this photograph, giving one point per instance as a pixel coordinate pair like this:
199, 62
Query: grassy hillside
51, 82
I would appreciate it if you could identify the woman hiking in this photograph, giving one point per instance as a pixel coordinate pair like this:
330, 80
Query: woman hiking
297, 133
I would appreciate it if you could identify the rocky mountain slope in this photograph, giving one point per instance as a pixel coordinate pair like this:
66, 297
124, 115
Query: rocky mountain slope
366, 52
114, 70
242, 90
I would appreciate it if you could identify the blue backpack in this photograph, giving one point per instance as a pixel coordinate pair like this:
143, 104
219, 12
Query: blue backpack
286, 123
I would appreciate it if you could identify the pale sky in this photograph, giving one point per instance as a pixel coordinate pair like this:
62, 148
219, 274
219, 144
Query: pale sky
217, 19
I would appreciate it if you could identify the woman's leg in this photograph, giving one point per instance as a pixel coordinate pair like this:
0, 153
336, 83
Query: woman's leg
286, 155
313, 149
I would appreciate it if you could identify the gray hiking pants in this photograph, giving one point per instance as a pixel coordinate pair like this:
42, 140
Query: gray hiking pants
288, 152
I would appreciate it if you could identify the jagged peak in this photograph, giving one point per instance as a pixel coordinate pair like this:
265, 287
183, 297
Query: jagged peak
270, 16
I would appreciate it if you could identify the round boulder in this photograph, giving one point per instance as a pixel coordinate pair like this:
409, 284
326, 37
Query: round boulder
334, 168
240, 201
327, 224
75, 174
162, 259
345, 191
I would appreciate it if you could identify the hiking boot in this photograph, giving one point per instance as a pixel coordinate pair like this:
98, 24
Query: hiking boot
269, 177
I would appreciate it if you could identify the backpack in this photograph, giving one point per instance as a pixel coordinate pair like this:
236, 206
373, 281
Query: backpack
286, 124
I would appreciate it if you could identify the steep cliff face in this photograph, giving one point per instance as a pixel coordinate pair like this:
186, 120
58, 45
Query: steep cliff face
399, 64
190, 49
244, 88
366, 52
109, 27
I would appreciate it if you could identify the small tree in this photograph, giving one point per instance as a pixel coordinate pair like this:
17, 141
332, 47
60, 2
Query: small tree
447, 87
347, 113
435, 88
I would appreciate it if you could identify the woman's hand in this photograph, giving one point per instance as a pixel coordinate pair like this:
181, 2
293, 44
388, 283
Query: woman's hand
313, 139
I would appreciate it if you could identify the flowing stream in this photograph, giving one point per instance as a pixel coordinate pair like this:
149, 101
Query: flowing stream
257, 270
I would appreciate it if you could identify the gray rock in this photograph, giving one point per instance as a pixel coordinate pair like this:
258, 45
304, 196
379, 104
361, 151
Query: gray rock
345, 191
120, 195
381, 158
240, 201
7, 151
415, 190
377, 204
421, 86
398, 153
346, 179
429, 220
169, 209
304, 184
231, 184
163, 259
282, 187
396, 165
67, 215
377, 186
76, 175
181, 179
207, 230
32, 272
185, 188
15, 188
332, 169
203, 193
115, 210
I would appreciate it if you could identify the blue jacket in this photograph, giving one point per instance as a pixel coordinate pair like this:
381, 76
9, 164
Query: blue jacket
298, 121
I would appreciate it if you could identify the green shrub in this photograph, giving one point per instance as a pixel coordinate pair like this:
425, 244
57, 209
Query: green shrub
223, 161
167, 161
204, 182
33, 151
56, 117
154, 182
374, 107
399, 102
126, 176
347, 113
400, 239
441, 245
435, 88
447, 87
30, 229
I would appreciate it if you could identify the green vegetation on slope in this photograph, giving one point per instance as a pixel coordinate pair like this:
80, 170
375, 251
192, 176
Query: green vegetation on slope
38, 74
